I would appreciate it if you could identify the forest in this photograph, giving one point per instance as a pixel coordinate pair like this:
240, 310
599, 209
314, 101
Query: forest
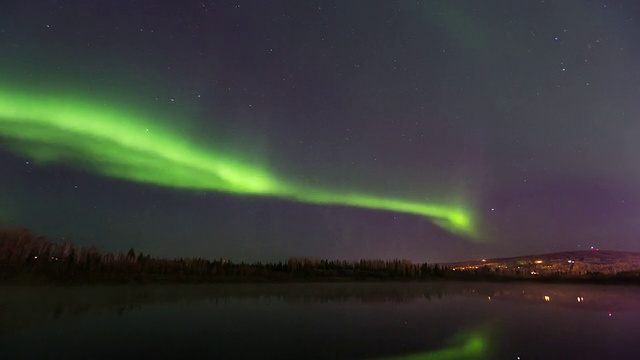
25, 258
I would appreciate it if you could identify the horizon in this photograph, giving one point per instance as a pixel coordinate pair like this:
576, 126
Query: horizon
124, 250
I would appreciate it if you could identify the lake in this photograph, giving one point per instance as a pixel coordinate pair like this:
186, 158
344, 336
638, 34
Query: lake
442, 320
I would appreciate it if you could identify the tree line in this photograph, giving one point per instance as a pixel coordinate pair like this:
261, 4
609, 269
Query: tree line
24, 256
27, 258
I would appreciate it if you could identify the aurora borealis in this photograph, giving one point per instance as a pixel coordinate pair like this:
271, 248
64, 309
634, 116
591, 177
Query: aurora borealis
119, 145
434, 131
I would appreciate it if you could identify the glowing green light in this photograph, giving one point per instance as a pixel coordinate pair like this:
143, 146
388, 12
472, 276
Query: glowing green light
122, 145
470, 346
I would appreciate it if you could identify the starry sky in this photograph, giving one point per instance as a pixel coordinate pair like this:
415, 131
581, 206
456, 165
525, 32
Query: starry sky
259, 130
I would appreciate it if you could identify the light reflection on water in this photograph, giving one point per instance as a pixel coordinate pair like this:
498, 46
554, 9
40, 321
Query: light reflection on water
321, 321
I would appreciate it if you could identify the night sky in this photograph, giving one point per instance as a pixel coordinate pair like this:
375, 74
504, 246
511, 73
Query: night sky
260, 130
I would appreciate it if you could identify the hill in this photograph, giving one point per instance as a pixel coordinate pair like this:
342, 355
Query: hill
576, 263
30, 259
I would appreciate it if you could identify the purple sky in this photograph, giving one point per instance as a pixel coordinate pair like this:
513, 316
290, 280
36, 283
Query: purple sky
526, 110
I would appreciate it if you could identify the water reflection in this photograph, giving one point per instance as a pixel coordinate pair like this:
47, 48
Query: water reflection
22, 306
465, 345
342, 320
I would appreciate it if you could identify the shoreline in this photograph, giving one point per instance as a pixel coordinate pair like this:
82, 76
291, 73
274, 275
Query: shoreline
142, 281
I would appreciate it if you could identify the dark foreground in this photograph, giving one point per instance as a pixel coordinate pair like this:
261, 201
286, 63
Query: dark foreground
441, 320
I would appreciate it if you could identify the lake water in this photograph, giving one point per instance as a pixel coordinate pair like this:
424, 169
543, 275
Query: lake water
322, 321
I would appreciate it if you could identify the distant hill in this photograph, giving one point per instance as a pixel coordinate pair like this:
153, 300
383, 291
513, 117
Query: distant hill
25, 258
566, 263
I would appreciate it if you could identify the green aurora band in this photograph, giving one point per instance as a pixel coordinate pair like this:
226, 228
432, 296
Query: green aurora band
55, 128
